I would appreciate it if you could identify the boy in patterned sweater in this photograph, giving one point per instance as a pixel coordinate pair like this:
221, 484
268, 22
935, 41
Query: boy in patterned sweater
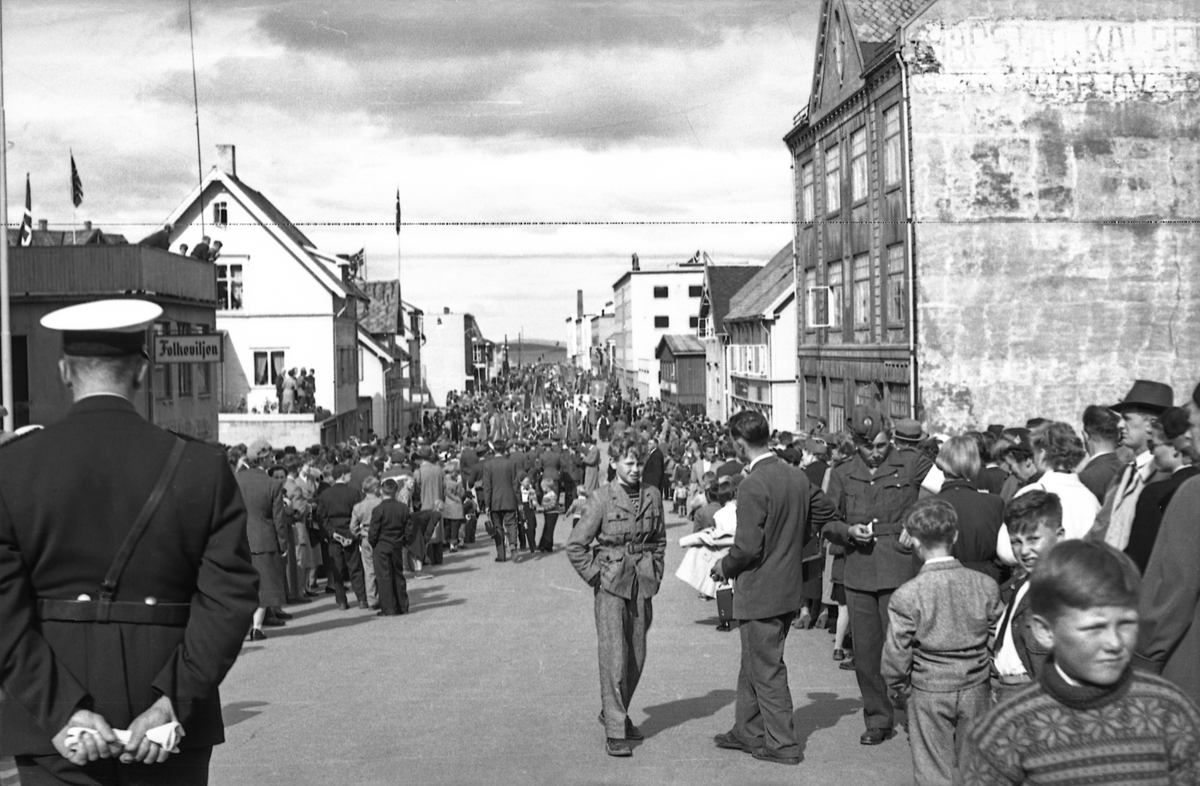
937, 637
1089, 718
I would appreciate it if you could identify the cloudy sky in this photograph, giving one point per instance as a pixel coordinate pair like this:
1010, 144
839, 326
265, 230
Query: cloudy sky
533, 111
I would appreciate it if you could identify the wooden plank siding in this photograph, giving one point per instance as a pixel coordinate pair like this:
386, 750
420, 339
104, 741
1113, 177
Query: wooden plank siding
88, 272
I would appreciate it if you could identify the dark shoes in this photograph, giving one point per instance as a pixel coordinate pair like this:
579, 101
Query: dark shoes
619, 748
631, 732
387, 614
281, 614
274, 622
344, 606
724, 627
257, 635
731, 742
766, 754
839, 654
874, 736
847, 664
362, 604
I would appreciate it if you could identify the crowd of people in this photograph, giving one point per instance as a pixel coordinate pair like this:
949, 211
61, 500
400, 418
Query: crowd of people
1025, 594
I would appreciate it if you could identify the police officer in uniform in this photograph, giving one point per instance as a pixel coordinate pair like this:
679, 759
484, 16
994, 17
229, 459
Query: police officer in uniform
126, 586
871, 491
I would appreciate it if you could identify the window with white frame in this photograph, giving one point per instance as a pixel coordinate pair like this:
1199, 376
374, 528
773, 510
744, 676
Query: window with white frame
891, 145
220, 214
833, 179
896, 289
229, 287
858, 165
837, 301
862, 290
808, 209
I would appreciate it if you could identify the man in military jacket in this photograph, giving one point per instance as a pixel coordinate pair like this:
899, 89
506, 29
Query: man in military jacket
152, 648
871, 492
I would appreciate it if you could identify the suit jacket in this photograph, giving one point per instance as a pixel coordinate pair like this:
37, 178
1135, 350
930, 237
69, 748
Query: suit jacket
1098, 475
613, 521
654, 470
335, 506
980, 516
776, 505
861, 496
266, 525
391, 525
501, 481
68, 496
360, 472
1147, 518
697, 478
432, 480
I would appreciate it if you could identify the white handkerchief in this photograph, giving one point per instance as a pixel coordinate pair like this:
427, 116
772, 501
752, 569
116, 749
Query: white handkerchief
167, 735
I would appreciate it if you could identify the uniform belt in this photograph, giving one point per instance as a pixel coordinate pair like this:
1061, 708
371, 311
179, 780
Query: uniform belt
636, 547
175, 614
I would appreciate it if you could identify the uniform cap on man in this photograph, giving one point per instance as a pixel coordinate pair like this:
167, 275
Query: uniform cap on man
1153, 397
865, 423
104, 328
258, 449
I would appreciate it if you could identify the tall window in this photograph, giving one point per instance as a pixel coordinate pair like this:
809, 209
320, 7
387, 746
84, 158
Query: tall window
361, 364
662, 322
812, 303
837, 296
808, 207
229, 287
661, 292
862, 290
185, 369
833, 180
891, 145
837, 403
895, 284
204, 368
897, 400
858, 165
162, 371
220, 214
268, 367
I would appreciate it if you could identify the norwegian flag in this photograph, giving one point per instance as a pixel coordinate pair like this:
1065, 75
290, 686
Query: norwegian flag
27, 219
76, 184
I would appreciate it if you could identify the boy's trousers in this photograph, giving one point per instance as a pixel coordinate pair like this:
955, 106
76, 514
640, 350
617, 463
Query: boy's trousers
937, 727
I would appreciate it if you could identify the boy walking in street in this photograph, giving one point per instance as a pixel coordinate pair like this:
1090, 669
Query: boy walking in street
939, 623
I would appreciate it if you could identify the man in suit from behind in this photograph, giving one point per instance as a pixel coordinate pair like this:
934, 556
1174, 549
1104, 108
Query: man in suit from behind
89, 641
1101, 437
776, 508
500, 499
364, 468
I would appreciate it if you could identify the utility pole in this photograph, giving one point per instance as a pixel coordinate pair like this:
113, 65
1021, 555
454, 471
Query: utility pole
6, 365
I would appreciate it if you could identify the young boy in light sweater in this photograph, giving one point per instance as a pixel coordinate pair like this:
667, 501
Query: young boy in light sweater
1089, 718
937, 643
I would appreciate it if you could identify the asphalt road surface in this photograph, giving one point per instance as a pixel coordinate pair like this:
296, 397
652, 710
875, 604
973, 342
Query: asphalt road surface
492, 679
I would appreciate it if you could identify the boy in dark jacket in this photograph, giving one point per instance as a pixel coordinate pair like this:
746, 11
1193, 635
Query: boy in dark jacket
391, 527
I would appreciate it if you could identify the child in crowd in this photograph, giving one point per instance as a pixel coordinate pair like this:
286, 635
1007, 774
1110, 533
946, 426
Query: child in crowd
702, 514
529, 502
1034, 522
1090, 718
575, 512
939, 623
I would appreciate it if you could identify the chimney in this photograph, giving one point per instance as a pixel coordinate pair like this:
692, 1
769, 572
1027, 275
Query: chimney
227, 159
87, 225
445, 309
636, 266
43, 224
579, 304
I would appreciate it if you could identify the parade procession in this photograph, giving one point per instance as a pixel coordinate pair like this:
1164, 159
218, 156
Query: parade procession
623, 392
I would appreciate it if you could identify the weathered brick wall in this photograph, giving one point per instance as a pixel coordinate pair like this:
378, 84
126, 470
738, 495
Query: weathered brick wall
1055, 165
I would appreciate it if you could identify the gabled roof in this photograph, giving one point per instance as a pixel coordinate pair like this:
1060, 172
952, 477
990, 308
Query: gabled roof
680, 345
760, 293
383, 312
378, 350
721, 283
876, 20
275, 222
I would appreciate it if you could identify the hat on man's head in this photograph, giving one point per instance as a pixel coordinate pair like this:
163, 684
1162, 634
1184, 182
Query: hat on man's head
865, 423
258, 449
500, 445
1175, 422
104, 328
1145, 394
909, 430
1018, 439
424, 451
996, 428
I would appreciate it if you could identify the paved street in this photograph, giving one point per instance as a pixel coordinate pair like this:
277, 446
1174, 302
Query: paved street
493, 679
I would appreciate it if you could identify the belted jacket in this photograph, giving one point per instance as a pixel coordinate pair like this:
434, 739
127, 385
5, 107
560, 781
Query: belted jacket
882, 497
620, 539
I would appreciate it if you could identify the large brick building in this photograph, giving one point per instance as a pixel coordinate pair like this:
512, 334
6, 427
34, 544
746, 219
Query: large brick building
995, 205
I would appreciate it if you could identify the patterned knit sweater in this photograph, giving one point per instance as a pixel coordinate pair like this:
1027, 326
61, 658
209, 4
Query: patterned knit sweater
1142, 730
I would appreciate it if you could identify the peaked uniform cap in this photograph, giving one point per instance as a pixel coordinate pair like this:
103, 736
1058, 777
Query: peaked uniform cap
104, 328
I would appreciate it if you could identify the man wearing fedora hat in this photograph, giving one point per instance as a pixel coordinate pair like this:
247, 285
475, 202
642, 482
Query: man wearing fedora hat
1139, 412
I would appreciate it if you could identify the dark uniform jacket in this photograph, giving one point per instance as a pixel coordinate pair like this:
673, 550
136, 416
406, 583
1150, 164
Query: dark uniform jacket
501, 478
774, 506
68, 496
631, 541
334, 506
391, 525
266, 524
859, 497
979, 518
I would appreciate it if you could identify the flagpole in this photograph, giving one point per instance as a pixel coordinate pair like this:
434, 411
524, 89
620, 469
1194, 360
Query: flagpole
6, 387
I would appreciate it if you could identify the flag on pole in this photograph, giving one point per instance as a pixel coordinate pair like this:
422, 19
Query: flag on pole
27, 219
397, 211
76, 184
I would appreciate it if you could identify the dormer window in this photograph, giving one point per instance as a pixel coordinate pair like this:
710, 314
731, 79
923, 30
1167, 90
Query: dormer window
220, 214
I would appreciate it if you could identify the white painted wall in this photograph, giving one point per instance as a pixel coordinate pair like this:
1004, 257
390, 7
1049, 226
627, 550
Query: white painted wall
636, 307
444, 355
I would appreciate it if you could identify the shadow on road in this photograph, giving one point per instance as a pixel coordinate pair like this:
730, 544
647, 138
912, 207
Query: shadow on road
422, 605
674, 713
823, 711
359, 616
241, 710
440, 571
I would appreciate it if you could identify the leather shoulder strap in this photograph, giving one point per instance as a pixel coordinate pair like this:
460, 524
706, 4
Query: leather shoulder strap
108, 589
